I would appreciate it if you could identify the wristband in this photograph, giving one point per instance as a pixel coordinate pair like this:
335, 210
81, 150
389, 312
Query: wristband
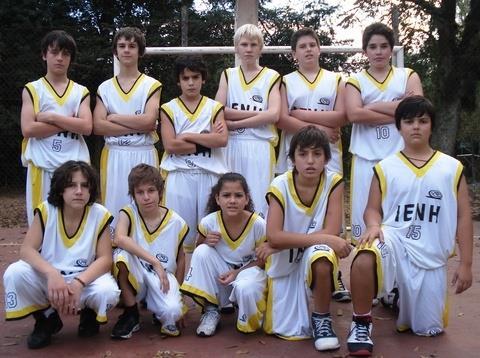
81, 282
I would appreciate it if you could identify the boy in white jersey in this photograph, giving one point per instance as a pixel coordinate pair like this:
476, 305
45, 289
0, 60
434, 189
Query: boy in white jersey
304, 219
126, 113
149, 261
371, 97
417, 208
312, 95
193, 134
251, 97
55, 116
66, 259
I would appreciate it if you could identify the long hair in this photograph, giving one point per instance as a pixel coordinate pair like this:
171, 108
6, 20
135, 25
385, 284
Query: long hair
212, 205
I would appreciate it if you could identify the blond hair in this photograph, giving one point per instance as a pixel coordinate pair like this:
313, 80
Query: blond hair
249, 31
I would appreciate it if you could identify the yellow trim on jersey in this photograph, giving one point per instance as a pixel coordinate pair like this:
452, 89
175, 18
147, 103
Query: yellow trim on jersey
254, 321
354, 82
352, 169
103, 173
278, 195
59, 99
85, 93
420, 172
155, 86
458, 176
101, 319
248, 85
318, 193
312, 85
381, 179
151, 237
168, 111
36, 178
382, 86
191, 116
446, 310
216, 109
187, 289
13, 315
70, 241
105, 220
131, 279
332, 258
127, 95
36, 102
234, 244
42, 208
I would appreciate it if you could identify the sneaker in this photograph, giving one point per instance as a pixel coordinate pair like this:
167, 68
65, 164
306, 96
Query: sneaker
432, 332
342, 294
88, 326
127, 324
44, 328
324, 336
390, 300
359, 342
170, 330
208, 323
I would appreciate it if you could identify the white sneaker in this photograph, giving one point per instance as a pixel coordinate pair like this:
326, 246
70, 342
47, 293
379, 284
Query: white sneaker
324, 336
342, 294
359, 340
208, 323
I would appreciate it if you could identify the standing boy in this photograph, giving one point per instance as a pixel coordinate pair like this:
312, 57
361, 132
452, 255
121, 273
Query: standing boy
149, 261
193, 132
66, 259
371, 97
251, 97
126, 114
417, 208
55, 116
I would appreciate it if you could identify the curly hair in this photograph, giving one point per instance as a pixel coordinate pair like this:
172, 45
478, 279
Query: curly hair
62, 177
212, 205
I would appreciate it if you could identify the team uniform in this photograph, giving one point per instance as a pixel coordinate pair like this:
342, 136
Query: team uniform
290, 271
250, 151
164, 243
121, 153
371, 143
208, 263
26, 289
419, 225
319, 95
190, 177
43, 155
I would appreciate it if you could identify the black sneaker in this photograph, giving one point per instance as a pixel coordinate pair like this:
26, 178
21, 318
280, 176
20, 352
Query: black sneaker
342, 294
44, 328
324, 336
127, 324
359, 341
88, 326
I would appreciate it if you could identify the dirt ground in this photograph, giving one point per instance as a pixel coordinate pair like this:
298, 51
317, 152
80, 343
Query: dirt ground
460, 339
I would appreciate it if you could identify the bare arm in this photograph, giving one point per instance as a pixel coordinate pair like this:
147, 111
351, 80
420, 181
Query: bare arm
145, 122
373, 215
30, 126
357, 113
221, 96
332, 223
463, 274
171, 143
218, 137
414, 87
180, 274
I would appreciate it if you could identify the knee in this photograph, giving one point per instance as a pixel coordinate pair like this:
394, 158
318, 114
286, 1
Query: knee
16, 272
203, 253
363, 262
322, 269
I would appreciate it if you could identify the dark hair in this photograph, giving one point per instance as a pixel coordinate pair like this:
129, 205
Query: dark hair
62, 177
310, 137
414, 106
377, 28
60, 39
144, 174
130, 33
193, 63
212, 205
306, 31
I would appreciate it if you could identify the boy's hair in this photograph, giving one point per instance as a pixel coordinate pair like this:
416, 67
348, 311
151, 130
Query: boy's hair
310, 137
193, 63
249, 31
144, 174
212, 205
306, 31
130, 33
414, 106
61, 40
377, 28
62, 177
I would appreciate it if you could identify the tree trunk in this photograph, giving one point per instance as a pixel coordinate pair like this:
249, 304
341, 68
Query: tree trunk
446, 124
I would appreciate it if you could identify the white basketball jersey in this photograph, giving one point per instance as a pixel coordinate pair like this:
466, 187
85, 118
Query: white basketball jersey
420, 206
200, 121
71, 254
251, 96
298, 217
375, 142
239, 251
319, 95
133, 102
164, 242
50, 152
